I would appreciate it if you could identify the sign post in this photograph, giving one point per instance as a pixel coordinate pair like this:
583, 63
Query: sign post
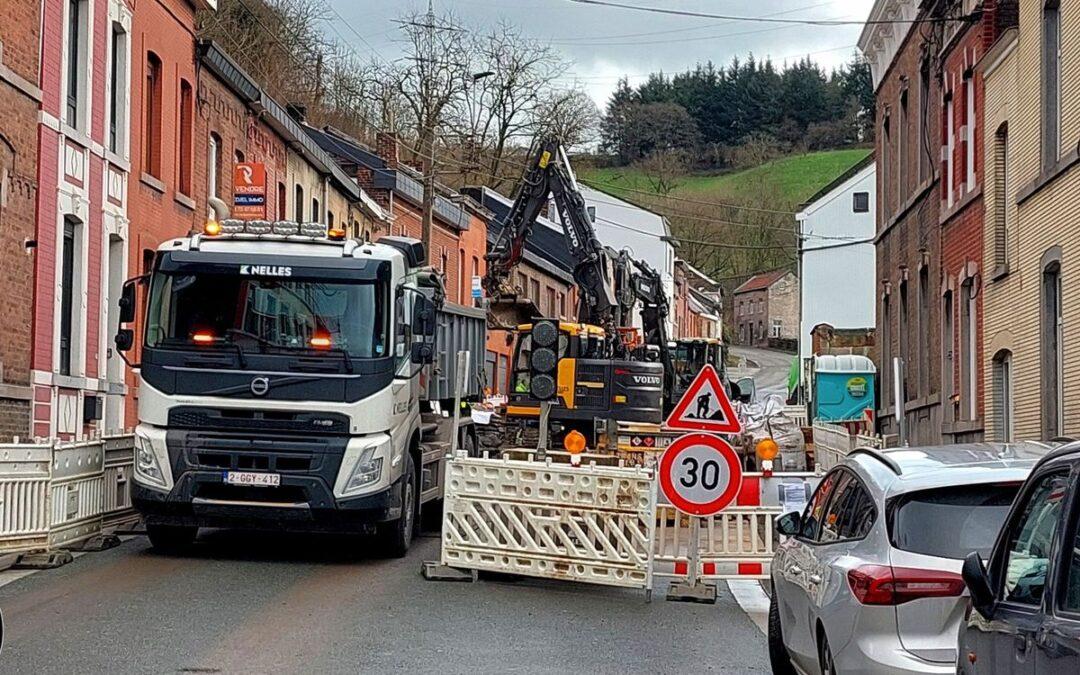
700, 474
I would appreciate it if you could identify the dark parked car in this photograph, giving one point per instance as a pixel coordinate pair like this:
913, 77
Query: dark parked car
1025, 614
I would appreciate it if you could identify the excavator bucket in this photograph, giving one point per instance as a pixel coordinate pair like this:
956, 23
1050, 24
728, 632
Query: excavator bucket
507, 312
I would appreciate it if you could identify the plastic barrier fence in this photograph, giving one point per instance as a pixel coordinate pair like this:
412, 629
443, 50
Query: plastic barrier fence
592, 524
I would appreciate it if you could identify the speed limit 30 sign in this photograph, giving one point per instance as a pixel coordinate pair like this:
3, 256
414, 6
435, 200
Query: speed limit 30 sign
700, 474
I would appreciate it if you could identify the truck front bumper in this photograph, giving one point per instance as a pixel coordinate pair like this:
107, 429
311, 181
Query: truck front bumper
195, 501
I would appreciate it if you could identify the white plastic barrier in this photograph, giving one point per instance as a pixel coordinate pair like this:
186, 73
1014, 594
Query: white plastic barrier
797, 413
592, 524
54, 494
738, 542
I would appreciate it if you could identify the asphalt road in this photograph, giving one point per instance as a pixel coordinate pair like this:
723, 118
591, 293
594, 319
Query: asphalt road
262, 603
770, 370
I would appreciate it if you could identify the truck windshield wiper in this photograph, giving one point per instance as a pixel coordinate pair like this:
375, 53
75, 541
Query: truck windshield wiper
344, 356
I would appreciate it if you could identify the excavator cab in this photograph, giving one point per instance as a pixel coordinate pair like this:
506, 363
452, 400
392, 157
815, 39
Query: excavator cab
689, 356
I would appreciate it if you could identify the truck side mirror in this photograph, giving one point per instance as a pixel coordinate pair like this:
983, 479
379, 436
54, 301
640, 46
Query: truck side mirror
978, 583
125, 339
127, 301
422, 353
423, 317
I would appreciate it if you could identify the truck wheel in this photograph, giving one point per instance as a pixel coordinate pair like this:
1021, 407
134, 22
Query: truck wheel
171, 538
397, 535
468, 444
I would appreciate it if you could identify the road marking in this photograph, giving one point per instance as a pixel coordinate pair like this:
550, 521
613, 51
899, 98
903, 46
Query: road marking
753, 600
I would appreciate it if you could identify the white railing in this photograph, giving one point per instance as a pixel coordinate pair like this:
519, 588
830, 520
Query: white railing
833, 442
55, 494
796, 413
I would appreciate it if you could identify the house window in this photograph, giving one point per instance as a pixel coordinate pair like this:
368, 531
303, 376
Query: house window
491, 370
886, 351
187, 114
1001, 196
1051, 83
902, 149
777, 327
213, 163
69, 257
1003, 401
463, 277
76, 71
445, 261
967, 350
282, 214
969, 127
886, 146
329, 219
534, 290
903, 330
298, 201
948, 339
950, 149
925, 161
1052, 349
152, 119
238, 156
316, 214
860, 202
551, 308
562, 304
117, 85
924, 331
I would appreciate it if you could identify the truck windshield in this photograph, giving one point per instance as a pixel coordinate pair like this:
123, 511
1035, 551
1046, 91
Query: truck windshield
203, 310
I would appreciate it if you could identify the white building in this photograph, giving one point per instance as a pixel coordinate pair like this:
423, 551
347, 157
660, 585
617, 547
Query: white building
837, 260
647, 235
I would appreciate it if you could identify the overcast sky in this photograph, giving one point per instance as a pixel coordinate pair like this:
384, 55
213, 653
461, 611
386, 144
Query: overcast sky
604, 42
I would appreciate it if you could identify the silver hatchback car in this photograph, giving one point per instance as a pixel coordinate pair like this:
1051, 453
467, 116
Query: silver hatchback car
867, 579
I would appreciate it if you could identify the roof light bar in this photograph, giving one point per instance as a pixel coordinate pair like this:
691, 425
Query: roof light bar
281, 228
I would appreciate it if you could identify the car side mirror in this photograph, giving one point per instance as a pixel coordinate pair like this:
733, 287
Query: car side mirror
978, 583
127, 301
422, 353
789, 524
125, 339
423, 317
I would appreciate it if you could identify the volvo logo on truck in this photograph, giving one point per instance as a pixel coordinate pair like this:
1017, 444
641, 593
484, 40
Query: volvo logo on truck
647, 379
266, 270
260, 385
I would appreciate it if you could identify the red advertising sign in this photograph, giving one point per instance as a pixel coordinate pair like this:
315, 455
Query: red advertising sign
249, 191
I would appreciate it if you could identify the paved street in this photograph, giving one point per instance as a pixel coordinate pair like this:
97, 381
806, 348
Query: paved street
239, 604
771, 371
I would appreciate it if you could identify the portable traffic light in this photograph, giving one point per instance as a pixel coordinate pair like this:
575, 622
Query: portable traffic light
544, 360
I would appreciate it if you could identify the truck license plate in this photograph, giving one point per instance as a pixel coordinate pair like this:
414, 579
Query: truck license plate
253, 478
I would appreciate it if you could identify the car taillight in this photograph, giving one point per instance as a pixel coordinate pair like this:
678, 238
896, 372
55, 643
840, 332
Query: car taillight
883, 585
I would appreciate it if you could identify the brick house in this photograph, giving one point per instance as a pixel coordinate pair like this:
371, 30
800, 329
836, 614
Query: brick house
766, 306
544, 276
961, 218
396, 187
1031, 233
20, 98
908, 233
82, 236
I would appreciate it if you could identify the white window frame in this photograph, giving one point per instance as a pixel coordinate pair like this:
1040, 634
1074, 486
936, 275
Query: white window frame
969, 85
950, 150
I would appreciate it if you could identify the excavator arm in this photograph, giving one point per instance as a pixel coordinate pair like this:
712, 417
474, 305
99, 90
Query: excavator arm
648, 287
549, 174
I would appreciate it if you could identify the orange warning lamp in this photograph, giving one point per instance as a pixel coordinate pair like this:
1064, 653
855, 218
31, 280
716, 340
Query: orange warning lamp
574, 442
203, 337
767, 449
213, 228
335, 233
320, 341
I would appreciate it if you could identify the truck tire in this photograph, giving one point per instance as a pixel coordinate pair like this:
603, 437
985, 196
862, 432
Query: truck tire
170, 539
396, 536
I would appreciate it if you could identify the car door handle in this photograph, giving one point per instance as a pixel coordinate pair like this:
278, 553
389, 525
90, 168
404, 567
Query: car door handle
794, 570
814, 578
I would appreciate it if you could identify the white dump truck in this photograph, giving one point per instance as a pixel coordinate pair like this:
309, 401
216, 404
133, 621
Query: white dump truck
290, 378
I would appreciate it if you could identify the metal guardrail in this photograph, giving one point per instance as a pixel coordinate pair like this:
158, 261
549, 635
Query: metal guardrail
55, 494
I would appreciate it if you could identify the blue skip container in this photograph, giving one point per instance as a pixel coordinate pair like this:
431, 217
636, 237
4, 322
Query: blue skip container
843, 387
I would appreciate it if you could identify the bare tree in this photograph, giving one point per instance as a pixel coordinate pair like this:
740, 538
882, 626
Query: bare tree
663, 169
570, 114
436, 75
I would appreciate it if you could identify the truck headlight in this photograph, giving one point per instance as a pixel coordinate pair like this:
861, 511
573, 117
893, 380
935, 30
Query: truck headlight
146, 463
367, 470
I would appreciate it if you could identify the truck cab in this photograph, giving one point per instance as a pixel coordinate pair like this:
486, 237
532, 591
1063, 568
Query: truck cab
279, 383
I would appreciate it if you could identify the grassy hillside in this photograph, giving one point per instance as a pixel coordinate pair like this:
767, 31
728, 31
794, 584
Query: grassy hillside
792, 179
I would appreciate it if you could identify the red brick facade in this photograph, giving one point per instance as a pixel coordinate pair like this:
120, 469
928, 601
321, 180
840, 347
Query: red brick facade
962, 235
19, 100
167, 192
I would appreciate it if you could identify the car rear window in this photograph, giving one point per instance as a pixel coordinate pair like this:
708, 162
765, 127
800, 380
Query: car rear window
951, 522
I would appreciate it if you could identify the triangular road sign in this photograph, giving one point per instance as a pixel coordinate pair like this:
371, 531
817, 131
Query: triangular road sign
705, 406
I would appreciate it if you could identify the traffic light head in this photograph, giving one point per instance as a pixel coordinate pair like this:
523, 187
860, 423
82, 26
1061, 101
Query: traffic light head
544, 361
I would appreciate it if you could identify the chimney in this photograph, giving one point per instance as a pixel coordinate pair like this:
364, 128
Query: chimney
297, 111
386, 147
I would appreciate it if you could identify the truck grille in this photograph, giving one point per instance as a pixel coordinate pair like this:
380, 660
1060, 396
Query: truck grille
227, 419
284, 494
